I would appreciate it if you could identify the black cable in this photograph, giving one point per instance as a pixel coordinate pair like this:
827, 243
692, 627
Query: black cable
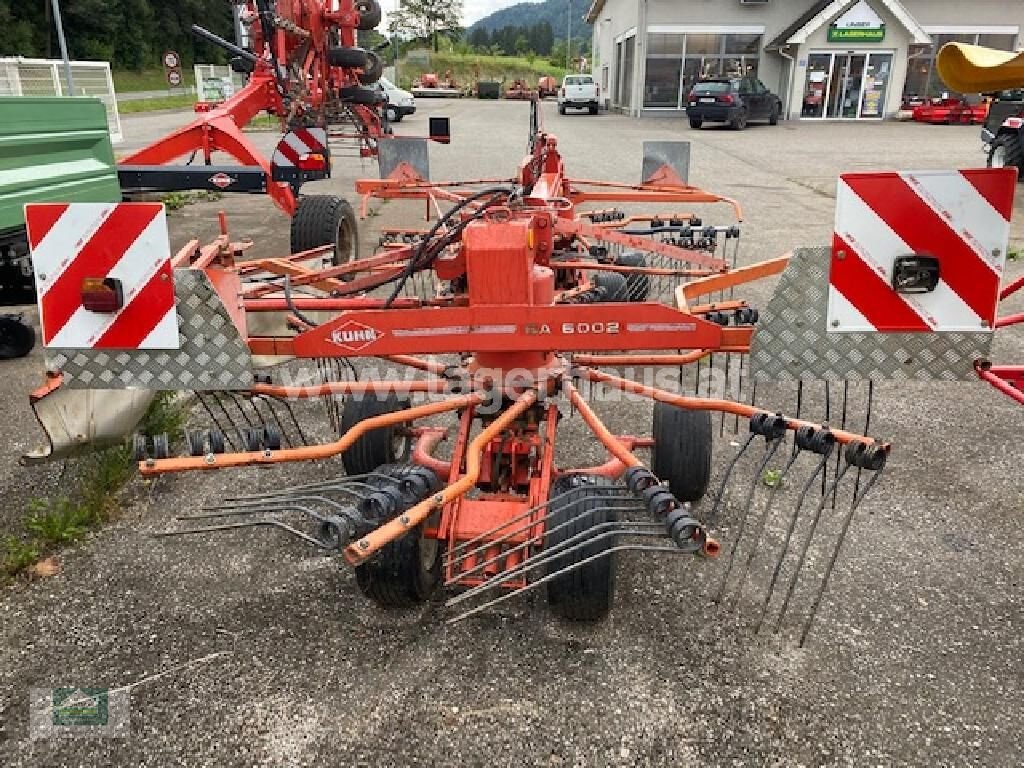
291, 304
417, 261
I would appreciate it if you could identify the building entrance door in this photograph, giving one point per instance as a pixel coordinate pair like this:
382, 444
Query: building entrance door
846, 86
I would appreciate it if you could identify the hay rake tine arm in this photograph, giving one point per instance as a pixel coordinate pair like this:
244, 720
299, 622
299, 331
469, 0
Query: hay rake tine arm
591, 536
710, 404
311, 452
358, 551
543, 535
574, 567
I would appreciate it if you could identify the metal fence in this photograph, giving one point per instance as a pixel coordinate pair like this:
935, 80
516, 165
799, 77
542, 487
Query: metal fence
43, 77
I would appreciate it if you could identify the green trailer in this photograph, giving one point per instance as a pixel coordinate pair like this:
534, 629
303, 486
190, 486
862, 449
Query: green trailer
52, 149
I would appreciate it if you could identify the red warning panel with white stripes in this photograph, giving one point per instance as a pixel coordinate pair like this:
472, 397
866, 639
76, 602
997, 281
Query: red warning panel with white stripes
919, 250
298, 144
103, 275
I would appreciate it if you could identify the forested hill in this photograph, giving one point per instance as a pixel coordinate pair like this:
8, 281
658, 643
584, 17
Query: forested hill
552, 11
130, 34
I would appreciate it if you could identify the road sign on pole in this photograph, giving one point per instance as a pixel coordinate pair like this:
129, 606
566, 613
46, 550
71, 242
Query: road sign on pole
63, 46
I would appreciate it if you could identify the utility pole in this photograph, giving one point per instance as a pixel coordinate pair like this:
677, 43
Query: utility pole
63, 47
568, 36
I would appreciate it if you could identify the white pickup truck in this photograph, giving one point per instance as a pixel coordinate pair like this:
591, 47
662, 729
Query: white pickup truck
578, 92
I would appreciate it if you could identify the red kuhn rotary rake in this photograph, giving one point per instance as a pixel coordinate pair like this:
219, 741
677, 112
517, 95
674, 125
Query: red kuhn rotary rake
304, 67
519, 300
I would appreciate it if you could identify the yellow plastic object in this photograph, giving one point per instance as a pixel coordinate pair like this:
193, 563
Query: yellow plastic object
974, 69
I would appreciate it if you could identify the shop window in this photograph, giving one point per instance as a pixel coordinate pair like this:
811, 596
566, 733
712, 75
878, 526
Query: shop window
746, 44
1001, 42
626, 94
698, 43
665, 45
661, 87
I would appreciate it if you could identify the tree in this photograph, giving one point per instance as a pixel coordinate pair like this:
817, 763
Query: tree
427, 19
480, 38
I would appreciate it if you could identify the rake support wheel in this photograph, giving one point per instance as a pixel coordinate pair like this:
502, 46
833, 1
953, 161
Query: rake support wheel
326, 220
406, 571
378, 446
681, 454
586, 593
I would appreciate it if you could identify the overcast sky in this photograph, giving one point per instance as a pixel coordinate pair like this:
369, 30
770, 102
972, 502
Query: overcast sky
472, 10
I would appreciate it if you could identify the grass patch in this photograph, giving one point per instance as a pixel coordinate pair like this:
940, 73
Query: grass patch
148, 80
54, 523
175, 201
154, 105
1013, 253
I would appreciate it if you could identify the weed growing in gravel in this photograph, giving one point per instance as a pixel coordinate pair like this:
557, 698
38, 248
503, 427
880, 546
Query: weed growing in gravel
53, 523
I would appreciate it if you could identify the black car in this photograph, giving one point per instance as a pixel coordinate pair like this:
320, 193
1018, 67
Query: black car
732, 100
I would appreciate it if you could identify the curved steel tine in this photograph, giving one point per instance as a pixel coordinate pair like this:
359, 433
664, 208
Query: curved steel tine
251, 524
713, 514
542, 535
611, 528
835, 554
526, 526
574, 567
822, 463
806, 547
531, 510
770, 450
760, 528
255, 509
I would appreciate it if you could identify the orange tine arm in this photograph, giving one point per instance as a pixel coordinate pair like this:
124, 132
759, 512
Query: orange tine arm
615, 447
350, 388
708, 404
719, 282
307, 452
358, 551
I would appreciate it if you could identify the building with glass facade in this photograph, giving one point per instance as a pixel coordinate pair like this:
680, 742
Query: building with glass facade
827, 60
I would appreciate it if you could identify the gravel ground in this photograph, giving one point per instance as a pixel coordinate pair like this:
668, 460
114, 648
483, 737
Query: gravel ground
248, 649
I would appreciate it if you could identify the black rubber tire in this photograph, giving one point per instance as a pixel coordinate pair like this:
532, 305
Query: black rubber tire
252, 439
739, 122
592, 110
614, 285
325, 220
696, 123
681, 454
406, 571
16, 338
773, 118
369, 14
271, 437
561, 109
1007, 145
161, 446
349, 58
393, 115
355, 94
374, 69
376, 447
140, 447
587, 593
638, 286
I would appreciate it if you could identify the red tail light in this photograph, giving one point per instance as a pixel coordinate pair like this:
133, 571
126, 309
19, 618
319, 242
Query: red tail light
102, 294
726, 98
312, 162
691, 96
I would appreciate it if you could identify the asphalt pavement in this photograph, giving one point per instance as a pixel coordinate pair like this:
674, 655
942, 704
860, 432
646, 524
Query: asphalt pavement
249, 649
